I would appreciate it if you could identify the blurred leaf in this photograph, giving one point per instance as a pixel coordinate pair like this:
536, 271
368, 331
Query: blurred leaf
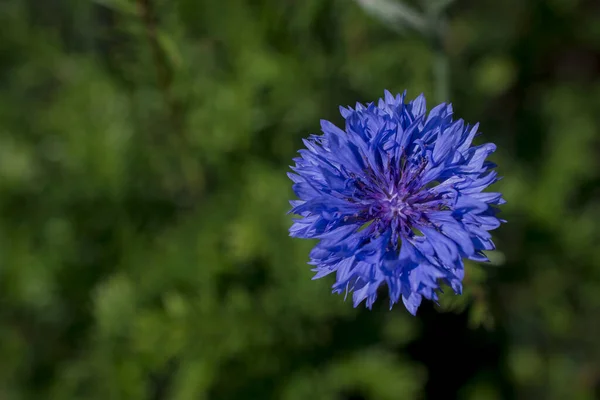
170, 48
17, 164
395, 14
480, 315
114, 306
124, 6
495, 75
526, 364
496, 257
438, 6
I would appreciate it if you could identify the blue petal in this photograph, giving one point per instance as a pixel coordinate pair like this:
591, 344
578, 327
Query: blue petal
411, 301
379, 169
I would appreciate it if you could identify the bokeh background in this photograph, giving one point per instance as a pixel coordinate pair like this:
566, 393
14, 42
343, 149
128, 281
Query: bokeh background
144, 251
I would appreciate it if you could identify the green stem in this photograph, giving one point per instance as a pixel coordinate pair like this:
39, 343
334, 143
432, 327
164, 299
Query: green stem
441, 72
163, 73
441, 65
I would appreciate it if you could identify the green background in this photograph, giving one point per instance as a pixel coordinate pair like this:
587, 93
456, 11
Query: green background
144, 251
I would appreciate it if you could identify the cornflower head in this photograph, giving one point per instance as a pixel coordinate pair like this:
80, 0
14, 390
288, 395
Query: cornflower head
396, 199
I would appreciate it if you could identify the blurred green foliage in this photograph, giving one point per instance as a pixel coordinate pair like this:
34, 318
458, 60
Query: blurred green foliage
144, 250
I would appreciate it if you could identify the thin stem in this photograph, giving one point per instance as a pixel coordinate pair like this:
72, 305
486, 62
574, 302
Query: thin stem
441, 72
163, 74
183, 179
393, 12
440, 5
441, 65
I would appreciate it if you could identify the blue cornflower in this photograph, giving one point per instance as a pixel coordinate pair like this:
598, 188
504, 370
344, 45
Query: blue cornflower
395, 199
